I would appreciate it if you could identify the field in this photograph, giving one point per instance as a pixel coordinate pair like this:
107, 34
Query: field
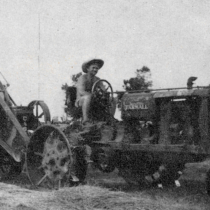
104, 191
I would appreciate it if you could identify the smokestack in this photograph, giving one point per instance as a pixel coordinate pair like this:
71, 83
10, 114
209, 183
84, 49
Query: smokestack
190, 82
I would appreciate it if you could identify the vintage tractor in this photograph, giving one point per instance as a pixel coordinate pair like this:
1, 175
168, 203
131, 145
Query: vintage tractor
161, 131
16, 123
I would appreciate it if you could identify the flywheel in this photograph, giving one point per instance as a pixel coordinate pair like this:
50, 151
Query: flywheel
41, 114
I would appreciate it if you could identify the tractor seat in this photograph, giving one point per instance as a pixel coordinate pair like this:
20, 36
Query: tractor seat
72, 110
97, 109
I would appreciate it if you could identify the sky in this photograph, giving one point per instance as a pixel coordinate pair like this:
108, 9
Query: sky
44, 42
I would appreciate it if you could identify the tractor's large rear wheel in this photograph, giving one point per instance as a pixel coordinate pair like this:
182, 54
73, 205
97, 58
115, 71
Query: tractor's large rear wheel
48, 157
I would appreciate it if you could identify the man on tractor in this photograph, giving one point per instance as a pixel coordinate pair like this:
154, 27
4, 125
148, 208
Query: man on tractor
95, 97
84, 87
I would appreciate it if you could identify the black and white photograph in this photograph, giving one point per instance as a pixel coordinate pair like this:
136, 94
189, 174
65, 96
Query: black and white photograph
104, 105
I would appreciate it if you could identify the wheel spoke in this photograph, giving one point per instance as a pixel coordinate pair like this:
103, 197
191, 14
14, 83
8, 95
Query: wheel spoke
42, 179
107, 88
39, 154
41, 115
40, 167
37, 113
59, 184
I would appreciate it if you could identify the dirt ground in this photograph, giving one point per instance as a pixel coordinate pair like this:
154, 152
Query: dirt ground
103, 191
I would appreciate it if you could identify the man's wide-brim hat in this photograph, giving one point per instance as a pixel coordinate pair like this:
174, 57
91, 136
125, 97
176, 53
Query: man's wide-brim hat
86, 64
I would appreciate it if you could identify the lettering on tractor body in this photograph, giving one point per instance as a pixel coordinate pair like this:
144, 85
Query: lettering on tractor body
137, 105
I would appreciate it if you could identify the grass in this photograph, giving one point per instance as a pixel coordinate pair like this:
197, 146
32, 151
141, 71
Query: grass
103, 192
108, 191
94, 198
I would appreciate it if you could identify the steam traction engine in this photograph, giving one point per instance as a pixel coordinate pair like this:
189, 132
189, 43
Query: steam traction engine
16, 123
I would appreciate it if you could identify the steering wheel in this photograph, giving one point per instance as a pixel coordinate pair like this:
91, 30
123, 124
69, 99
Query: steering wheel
101, 88
102, 93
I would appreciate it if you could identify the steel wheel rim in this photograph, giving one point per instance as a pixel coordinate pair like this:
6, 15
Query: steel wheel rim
48, 163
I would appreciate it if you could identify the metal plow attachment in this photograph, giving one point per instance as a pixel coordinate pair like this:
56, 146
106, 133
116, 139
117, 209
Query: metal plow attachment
48, 157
